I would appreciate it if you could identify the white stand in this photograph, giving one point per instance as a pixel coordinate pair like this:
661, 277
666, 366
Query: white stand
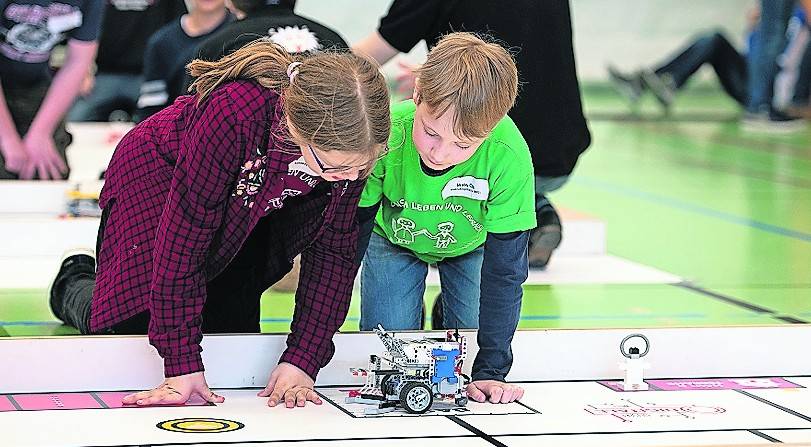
634, 367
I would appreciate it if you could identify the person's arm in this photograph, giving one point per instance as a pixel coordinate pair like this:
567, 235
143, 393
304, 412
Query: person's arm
369, 204
405, 24
510, 217
376, 47
806, 4
366, 223
11, 145
43, 158
204, 174
504, 270
328, 270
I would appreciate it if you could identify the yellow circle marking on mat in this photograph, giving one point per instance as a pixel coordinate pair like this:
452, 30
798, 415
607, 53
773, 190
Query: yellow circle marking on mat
200, 425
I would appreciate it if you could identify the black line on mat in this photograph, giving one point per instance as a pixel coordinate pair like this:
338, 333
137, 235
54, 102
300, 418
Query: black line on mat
348, 413
477, 432
276, 441
98, 399
647, 432
738, 302
528, 407
764, 436
778, 406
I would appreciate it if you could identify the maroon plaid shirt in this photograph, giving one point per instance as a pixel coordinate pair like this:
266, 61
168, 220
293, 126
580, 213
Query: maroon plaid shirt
184, 190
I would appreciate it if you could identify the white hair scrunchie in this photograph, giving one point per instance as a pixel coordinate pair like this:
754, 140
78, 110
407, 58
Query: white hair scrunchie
292, 70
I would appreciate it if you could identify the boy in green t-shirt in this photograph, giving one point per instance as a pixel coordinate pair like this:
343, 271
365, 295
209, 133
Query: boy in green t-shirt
456, 190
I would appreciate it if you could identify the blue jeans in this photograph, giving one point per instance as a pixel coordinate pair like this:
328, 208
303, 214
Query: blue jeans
112, 91
392, 286
545, 185
769, 42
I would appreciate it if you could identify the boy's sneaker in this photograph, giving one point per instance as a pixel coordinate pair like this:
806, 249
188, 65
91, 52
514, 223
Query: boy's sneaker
662, 87
772, 121
544, 239
80, 260
628, 85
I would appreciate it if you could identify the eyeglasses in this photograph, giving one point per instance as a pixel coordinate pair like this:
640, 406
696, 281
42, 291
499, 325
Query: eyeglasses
334, 169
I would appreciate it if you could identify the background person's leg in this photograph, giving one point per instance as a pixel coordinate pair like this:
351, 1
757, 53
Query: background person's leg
769, 42
392, 287
802, 88
546, 237
714, 49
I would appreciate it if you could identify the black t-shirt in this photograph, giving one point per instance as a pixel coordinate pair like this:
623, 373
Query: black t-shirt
167, 53
31, 28
548, 110
294, 32
127, 26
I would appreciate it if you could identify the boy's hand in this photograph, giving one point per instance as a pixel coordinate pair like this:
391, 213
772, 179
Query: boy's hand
43, 159
290, 384
14, 154
175, 391
494, 391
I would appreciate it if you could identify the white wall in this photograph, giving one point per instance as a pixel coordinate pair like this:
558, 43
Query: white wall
629, 33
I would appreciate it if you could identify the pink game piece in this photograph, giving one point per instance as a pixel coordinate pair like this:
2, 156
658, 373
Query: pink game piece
56, 401
5, 404
113, 400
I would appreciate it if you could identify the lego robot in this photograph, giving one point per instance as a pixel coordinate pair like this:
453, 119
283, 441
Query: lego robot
413, 374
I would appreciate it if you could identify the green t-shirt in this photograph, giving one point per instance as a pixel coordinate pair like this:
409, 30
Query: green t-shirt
449, 215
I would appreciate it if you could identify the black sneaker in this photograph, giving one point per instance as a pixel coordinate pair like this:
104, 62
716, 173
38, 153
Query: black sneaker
546, 238
437, 314
629, 86
661, 86
73, 261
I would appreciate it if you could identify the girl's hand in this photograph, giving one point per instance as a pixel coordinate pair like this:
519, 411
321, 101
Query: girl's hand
175, 391
290, 384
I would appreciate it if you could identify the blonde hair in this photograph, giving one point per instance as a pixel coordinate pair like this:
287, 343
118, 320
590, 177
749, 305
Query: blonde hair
477, 79
336, 101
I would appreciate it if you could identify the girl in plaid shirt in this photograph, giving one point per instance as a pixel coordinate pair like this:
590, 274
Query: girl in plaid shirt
206, 203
